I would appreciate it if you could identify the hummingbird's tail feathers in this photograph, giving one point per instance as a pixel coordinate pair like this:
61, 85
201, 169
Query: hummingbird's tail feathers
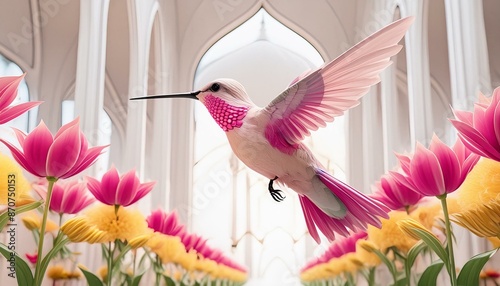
361, 210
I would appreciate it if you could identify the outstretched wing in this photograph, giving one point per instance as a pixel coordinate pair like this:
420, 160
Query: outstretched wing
317, 97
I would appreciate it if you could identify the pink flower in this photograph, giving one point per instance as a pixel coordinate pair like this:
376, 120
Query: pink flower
436, 171
196, 242
62, 156
8, 92
480, 130
394, 194
338, 248
32, 257
114, 189
70, 197
166, 223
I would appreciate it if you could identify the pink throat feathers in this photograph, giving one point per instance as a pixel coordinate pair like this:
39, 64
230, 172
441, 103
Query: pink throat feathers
227, 116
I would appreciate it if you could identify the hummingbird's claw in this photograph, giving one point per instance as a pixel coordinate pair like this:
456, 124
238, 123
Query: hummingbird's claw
276, 194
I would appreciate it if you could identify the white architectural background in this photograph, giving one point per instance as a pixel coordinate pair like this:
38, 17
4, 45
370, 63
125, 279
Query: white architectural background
100, 53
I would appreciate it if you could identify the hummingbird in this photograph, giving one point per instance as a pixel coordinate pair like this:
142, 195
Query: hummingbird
269, 140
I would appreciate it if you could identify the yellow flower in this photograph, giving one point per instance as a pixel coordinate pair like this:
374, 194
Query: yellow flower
390, 235
409, 227
483, 221
364, 251
168, 248
12, 181
140, 241
207, 266
481, 186
125, 225
103, 272
187, 260
78, 229
427, 214
495, 241
58, 272
32, 221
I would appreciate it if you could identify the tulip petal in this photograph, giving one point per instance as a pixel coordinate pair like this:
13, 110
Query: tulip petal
57, 198
12, 112
426, 173
127, 188
109, 185
475, 141
64, 152
20, 158
496, 123
89, 158
36, 147
8, 89
448, 162
20, 136
94, 187
143, 190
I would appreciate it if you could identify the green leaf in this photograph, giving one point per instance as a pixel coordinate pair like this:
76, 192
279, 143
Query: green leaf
53, 252
402, 282
169, 281
4, 217
414, 252
137, 279
22, 270
433, 243
386, 261
429, 276
92, 279
469, 275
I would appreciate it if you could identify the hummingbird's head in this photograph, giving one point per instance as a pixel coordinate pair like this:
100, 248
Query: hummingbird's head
227, 102
225, 99
228, 90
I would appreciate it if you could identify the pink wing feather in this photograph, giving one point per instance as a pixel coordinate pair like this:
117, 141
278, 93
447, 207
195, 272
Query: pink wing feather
316, 97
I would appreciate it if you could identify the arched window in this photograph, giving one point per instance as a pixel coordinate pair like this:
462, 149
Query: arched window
230, 203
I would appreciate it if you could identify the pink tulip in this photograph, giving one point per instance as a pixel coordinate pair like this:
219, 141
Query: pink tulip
480, 130
435, 171
70, 197
394, 194
114, 189
61, 156
32, 257
8, 93
166, 223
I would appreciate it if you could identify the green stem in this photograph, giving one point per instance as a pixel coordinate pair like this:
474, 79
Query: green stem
371, 276
158, 274
38, 272
449, 241
110, 264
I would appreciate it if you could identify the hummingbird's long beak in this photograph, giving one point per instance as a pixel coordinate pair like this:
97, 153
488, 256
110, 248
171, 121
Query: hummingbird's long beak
191, 95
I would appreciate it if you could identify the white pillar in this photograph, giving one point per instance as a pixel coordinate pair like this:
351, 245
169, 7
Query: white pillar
468, 52
161, 135
89, 87
90, 72
140, 22
469, 74
417, 57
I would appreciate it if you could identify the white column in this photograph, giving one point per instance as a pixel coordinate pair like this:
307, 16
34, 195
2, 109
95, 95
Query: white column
468, 52
469, 74
140, 22
417, 57
89, 87
90, 72
161, 135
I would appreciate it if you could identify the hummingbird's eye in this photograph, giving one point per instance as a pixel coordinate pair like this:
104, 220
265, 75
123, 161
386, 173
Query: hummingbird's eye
215, 87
